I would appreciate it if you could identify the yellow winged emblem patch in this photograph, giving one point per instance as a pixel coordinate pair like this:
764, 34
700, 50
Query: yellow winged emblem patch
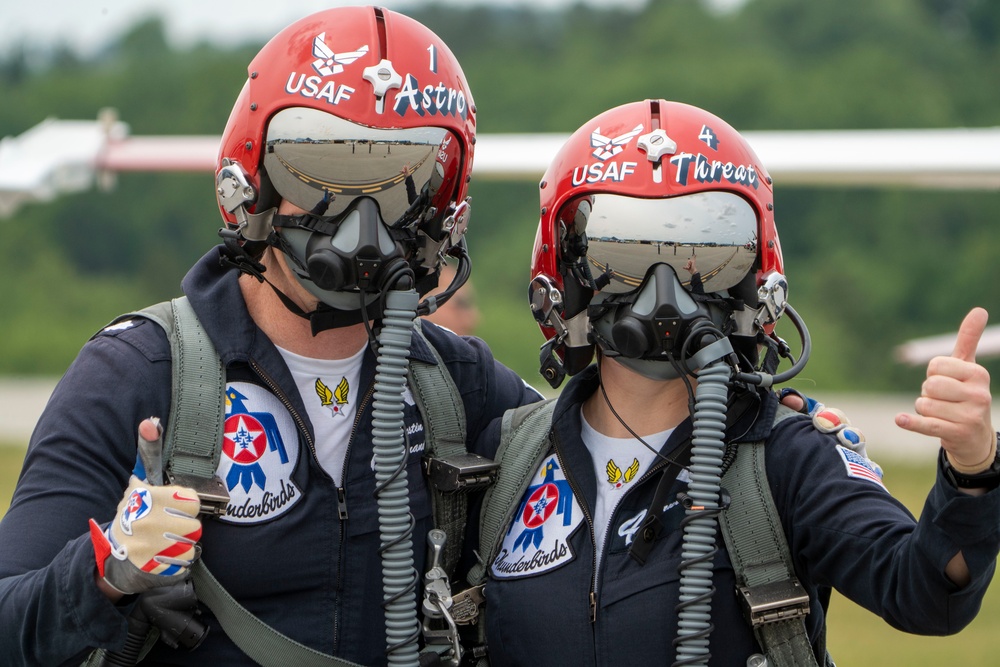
619, 478
336, 399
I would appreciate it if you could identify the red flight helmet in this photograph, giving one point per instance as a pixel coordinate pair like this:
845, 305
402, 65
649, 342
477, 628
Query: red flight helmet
345, 103
647, 183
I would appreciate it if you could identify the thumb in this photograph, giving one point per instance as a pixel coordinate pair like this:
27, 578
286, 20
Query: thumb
969, 334
150, 429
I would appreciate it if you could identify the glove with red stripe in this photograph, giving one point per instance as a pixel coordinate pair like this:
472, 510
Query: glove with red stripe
153, 539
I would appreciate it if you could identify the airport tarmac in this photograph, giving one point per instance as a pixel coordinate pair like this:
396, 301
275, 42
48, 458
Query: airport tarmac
23, 399
21, 403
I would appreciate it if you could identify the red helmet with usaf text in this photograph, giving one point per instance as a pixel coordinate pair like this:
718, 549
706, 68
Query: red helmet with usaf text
644, 184
347, 103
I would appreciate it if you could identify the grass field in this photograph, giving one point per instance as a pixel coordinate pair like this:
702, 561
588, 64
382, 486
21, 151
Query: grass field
857, 637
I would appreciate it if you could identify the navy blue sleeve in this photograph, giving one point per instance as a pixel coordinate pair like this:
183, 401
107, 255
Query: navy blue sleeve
488, 387
846, 531
505, 392
76, 467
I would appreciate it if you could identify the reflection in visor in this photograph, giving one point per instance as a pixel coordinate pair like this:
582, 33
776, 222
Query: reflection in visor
321, 163
709, 238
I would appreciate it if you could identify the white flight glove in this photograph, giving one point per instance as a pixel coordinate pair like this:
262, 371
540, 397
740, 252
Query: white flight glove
153, 539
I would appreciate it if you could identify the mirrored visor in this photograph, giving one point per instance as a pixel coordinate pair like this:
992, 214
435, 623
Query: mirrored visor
709, 238
321, 163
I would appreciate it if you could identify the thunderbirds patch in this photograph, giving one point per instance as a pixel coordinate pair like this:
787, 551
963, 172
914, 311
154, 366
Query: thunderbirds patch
260, 448
538, 539
139, 505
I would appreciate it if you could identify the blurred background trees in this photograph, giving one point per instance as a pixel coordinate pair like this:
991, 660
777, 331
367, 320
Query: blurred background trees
868, 268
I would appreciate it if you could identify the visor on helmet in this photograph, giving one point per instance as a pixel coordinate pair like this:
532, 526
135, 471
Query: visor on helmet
321, 163
713, 234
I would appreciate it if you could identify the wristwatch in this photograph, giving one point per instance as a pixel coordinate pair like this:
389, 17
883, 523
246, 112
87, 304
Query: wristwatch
987, 479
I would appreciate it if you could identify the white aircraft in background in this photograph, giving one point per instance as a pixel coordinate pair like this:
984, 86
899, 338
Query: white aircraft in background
61, 156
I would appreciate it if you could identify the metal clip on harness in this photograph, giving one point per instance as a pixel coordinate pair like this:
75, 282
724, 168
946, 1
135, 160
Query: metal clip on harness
212, 493
465, 472
440, 630
778, 601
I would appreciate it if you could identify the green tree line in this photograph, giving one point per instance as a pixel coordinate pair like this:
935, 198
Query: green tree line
868, 268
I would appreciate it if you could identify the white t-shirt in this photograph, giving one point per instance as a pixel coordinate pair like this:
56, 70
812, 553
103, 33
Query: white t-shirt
618, 464
329, 388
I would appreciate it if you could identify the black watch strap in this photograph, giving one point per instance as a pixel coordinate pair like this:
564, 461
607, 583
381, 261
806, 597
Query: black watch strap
987, 479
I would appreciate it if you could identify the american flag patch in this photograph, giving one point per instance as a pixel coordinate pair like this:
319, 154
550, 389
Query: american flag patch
860, 467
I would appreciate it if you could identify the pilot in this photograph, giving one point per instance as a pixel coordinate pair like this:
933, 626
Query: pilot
322, 226
615, 555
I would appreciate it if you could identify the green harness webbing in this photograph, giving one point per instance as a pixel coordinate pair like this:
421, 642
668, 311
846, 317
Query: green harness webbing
262, 643
759, 550
197, 408
437, 397
751, 526
527, 426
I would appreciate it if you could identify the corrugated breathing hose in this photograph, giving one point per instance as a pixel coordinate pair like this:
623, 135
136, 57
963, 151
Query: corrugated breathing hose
700, 523
399, 577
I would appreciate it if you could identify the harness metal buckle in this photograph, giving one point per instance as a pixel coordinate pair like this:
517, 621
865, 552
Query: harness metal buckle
442, 640
465, 605
439, 629
773, 602
212, 492
463, 472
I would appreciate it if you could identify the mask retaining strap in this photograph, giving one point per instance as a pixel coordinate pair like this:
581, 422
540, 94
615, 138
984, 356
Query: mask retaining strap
238, 258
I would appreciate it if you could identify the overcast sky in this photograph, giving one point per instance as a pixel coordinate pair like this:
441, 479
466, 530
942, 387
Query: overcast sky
86, 25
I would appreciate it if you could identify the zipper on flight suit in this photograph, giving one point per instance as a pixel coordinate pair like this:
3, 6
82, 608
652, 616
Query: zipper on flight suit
342, 503
342, 510
658, 464
341, 490
300, 423
590, 520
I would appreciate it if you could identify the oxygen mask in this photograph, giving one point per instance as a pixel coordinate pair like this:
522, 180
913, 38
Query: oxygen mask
654, 329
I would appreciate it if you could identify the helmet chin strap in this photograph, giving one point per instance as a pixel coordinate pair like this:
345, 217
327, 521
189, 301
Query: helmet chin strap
652, 369
326, 317
323, 318
346, 263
